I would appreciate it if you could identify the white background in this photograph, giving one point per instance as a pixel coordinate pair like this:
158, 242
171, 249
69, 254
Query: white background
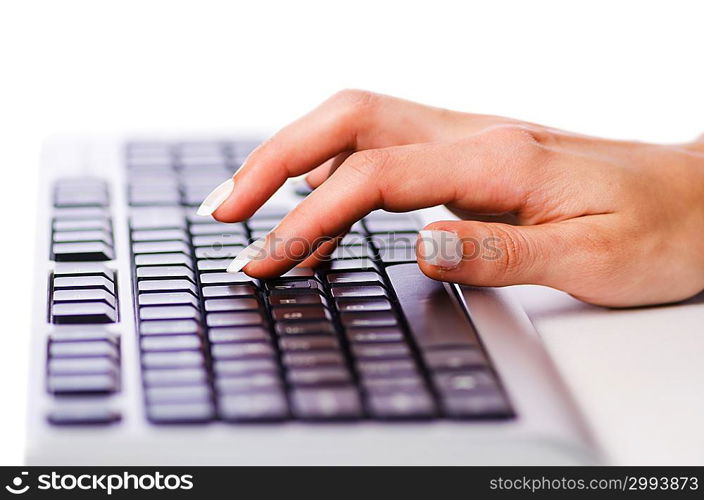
630, 69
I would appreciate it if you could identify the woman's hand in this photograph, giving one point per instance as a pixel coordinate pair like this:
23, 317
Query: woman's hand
615, 223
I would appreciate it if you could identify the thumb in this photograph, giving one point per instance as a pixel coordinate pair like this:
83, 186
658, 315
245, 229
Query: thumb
493, 254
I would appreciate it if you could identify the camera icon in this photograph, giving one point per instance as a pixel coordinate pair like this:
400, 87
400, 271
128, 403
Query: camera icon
16, 488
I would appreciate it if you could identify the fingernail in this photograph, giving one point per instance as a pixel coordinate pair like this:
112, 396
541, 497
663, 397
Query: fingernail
247, 255
441, 248
215, 198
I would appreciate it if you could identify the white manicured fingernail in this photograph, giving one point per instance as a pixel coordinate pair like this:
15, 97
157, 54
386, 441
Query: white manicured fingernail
215, 198
441, 248
247, 255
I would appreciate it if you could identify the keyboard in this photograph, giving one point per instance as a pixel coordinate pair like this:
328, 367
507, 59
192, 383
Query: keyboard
366, 336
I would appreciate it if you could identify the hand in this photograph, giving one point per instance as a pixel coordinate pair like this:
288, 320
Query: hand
615, 223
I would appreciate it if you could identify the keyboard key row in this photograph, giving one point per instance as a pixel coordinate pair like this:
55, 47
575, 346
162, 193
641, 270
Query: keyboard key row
81, 229
83, 293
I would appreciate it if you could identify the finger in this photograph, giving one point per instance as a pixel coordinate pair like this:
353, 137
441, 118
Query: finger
398, 179
563, 255
322, 253
318, 175
349, 121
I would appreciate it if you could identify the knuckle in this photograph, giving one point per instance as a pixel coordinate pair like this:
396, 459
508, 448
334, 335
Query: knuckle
516, 134
355, 99
367, 163
528, 145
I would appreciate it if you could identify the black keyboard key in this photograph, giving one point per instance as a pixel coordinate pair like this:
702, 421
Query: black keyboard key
82, 384
176, 359
62, 269
243, 350
476, 406
240, 367
312, 359
394, 239
189, 393
397, 255
163, 259
157, 218
217, 252
368, 319
253, 406
169, 312
391, 350
172, 327
79, 282
363, 305
471, 394
332, 403
356, 291
465, 381
296, 299
238, 318
213, 264
304, 328
147, 247
229, 291
374, 335
82, 236
303, 313
288, 286
175, 377
81, 334
440, 322
77, 213
90, 294
316, 377
239, 334
165, 272
387, 368
83, 312
140, 195
217, 229
354, 278
393, 385
170, 343
96, 224
225, 278
232, 304
308, 343
177, 413
216, 241
84, 413
348, 265
91, 251
78, 366
260, 382
73, 197
454, 359
352, 252
160, 235
407, 404
162, 285
83, 349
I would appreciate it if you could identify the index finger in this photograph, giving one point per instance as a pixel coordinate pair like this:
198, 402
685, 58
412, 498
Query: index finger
349, 121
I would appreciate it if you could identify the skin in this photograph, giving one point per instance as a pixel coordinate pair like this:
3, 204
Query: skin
614, 223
